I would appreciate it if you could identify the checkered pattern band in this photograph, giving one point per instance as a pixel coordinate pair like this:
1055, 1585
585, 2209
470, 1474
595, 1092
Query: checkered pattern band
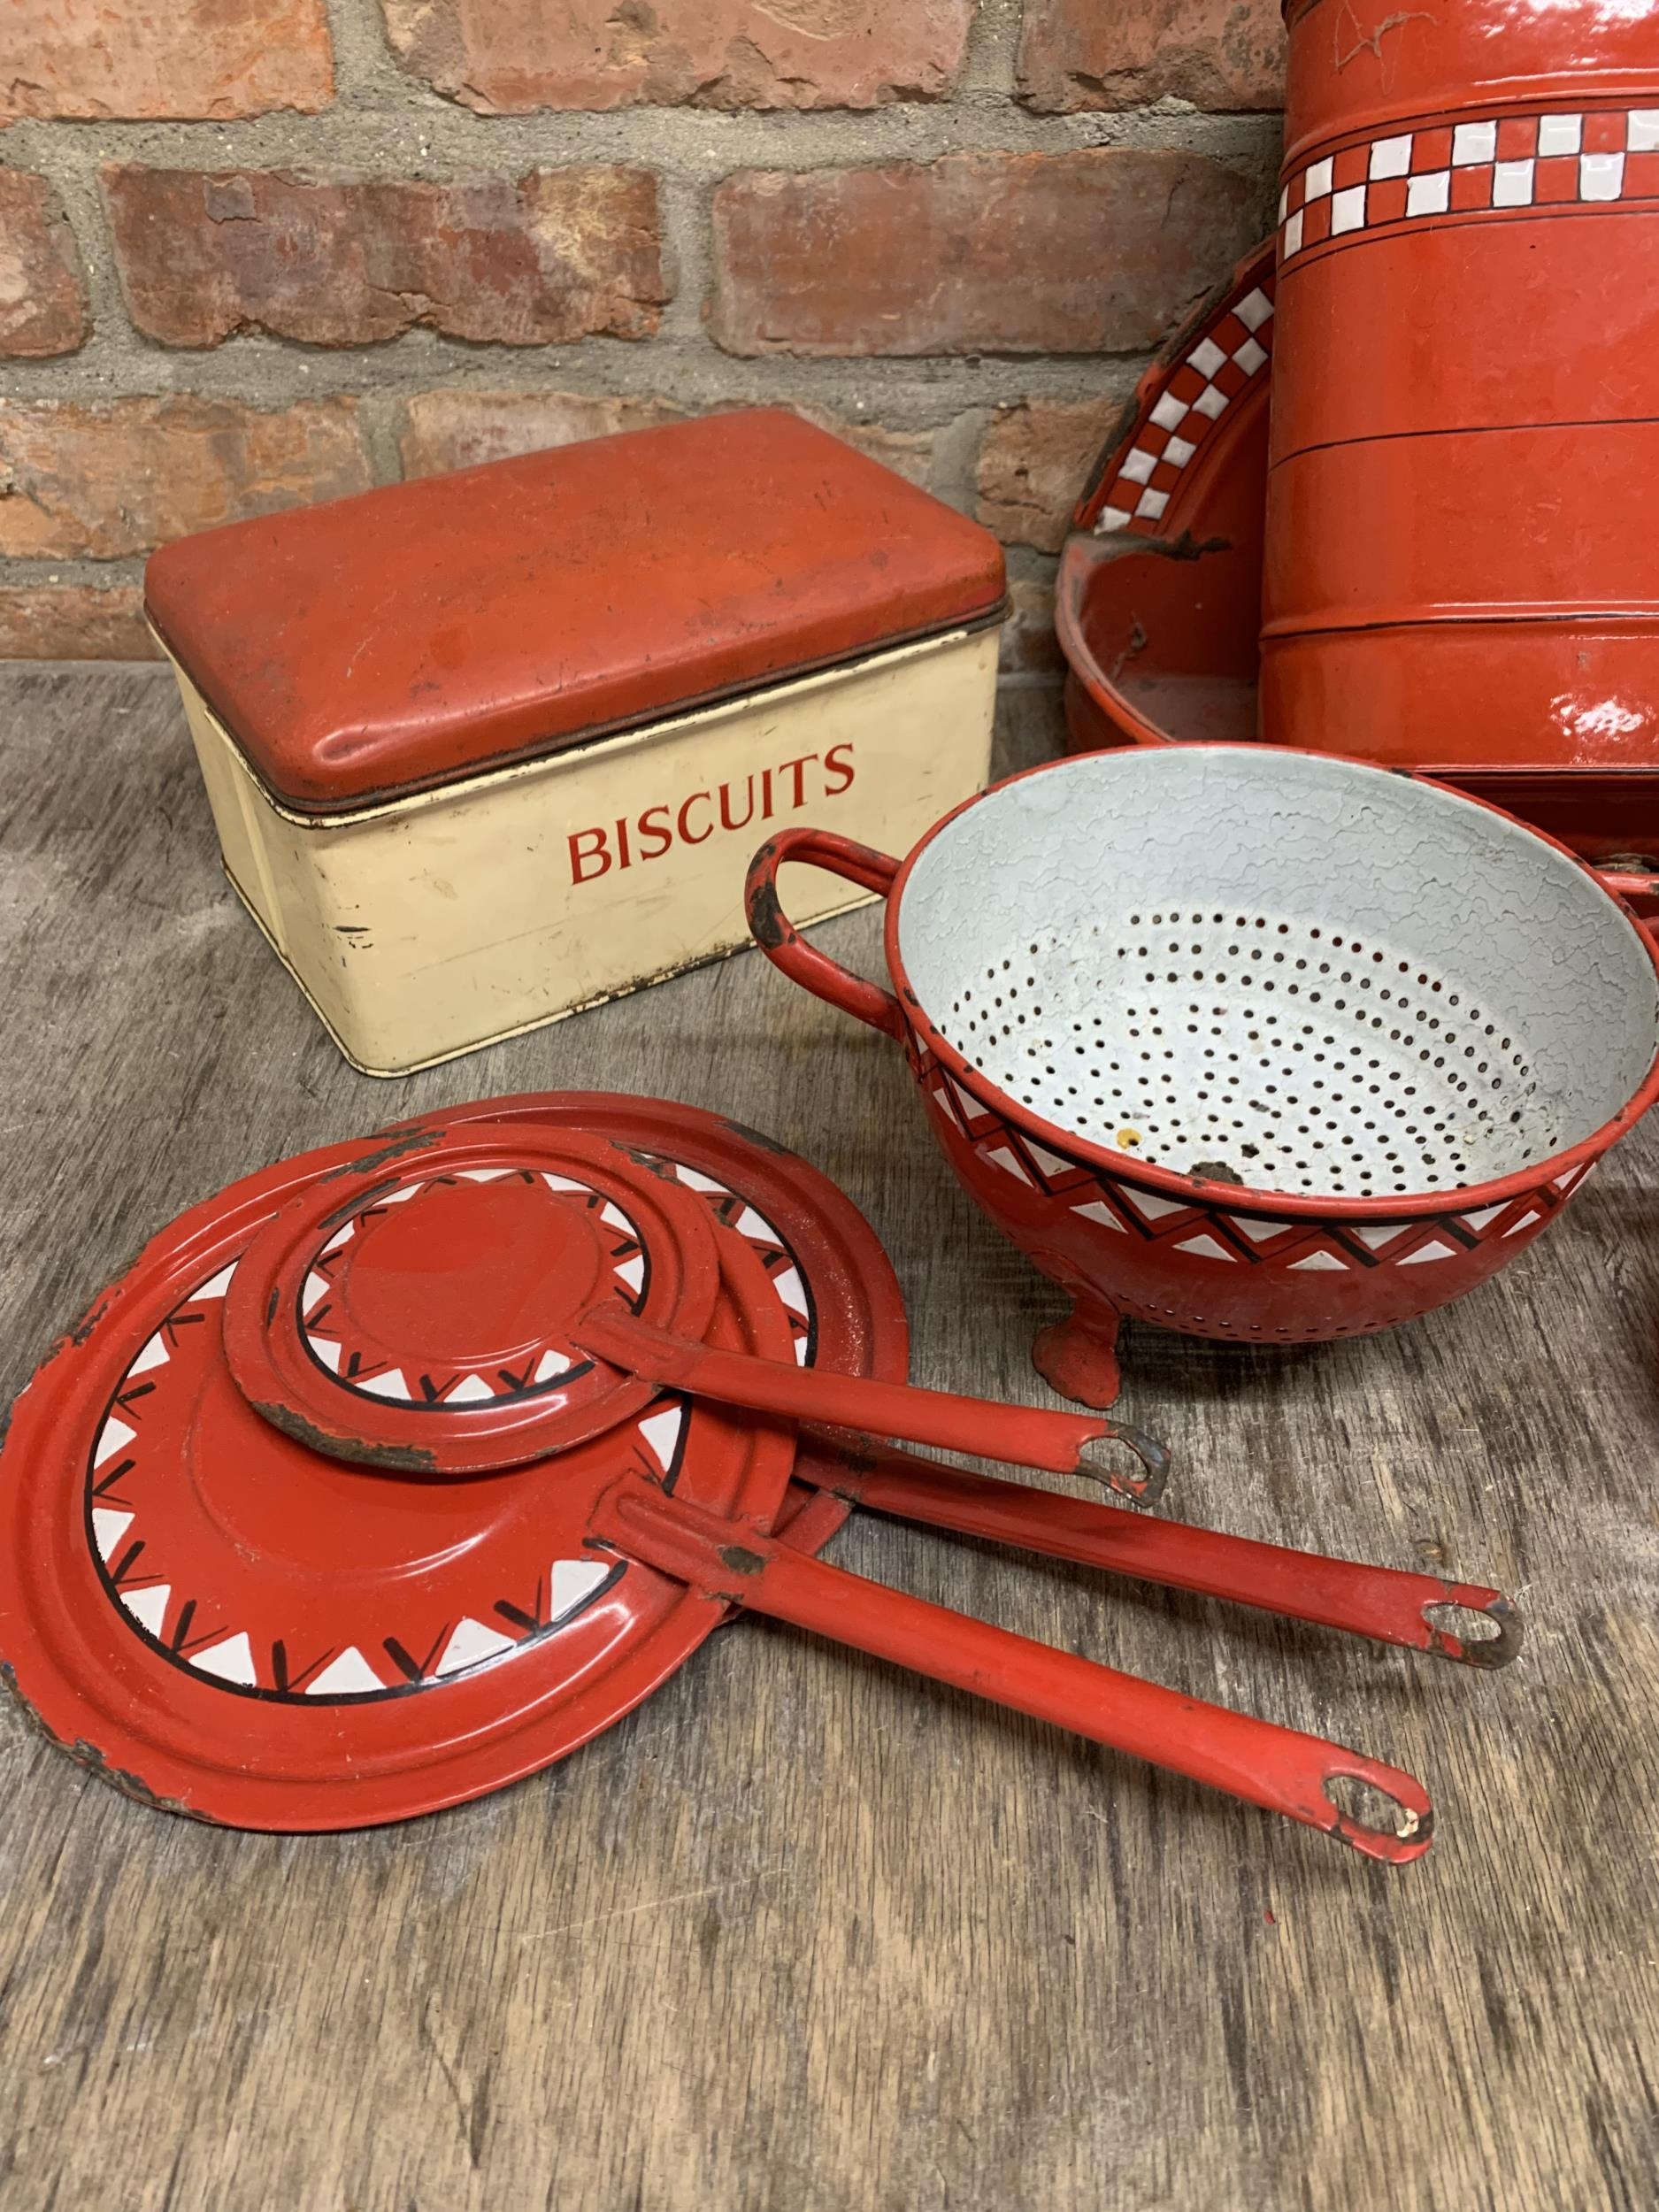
1586, 158
1190, 400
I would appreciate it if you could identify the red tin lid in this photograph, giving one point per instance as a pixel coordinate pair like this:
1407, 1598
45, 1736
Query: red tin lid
413, 635
239, 1627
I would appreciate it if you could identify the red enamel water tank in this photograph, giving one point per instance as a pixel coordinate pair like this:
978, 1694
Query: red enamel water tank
1462, 562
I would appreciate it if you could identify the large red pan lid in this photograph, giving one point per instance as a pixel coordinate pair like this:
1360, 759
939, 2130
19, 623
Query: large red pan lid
231, 1622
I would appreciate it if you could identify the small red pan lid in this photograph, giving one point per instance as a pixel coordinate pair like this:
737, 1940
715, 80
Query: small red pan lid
413, 635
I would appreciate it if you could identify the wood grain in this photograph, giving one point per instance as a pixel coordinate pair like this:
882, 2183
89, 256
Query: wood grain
805, 1931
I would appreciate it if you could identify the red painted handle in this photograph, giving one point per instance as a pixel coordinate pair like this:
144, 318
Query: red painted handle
782, 942
1277, 1768
1383, 1602
1025, 1436
1624, 885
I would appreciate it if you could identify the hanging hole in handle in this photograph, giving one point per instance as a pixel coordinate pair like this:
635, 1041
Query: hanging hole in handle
1478, 1636
1374, 1821
1145, 1488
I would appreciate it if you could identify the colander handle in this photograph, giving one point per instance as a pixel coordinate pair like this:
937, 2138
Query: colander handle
782, 942
735, 1562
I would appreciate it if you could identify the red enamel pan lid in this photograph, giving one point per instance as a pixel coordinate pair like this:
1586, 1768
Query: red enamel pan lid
830, 1267
419, 1315
230, 1622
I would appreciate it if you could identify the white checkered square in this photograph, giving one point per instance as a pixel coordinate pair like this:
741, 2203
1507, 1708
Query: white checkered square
1559, 133
1347, 211
1512, 184
1138, 465
1212, 401
1206, 358
1473, 143
1293, 235
1178, 452
1152, 504
1318, 181
1430, 194
1250, 356
1391, 156
1253, 310
1600, 176
1641, 133
1169, 413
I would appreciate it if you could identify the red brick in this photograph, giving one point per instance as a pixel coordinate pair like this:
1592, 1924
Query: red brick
1086, 252
344, 260
1077, 54
192, 59
1034, 462
1029, 646
115, 478
908, 453
74, 622
506, 57
42, 291
456, 427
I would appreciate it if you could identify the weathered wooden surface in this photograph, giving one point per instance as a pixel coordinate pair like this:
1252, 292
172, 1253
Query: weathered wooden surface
805, 1932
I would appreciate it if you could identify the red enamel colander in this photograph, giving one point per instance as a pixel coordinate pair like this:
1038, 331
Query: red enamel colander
1248, 1042
398, 1472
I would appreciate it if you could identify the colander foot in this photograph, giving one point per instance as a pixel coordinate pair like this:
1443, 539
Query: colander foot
1079, 1356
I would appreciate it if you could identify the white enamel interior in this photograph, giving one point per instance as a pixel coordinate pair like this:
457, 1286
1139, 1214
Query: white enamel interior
1291, 972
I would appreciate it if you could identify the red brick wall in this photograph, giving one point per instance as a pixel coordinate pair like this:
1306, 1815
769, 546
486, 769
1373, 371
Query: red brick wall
254, 252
